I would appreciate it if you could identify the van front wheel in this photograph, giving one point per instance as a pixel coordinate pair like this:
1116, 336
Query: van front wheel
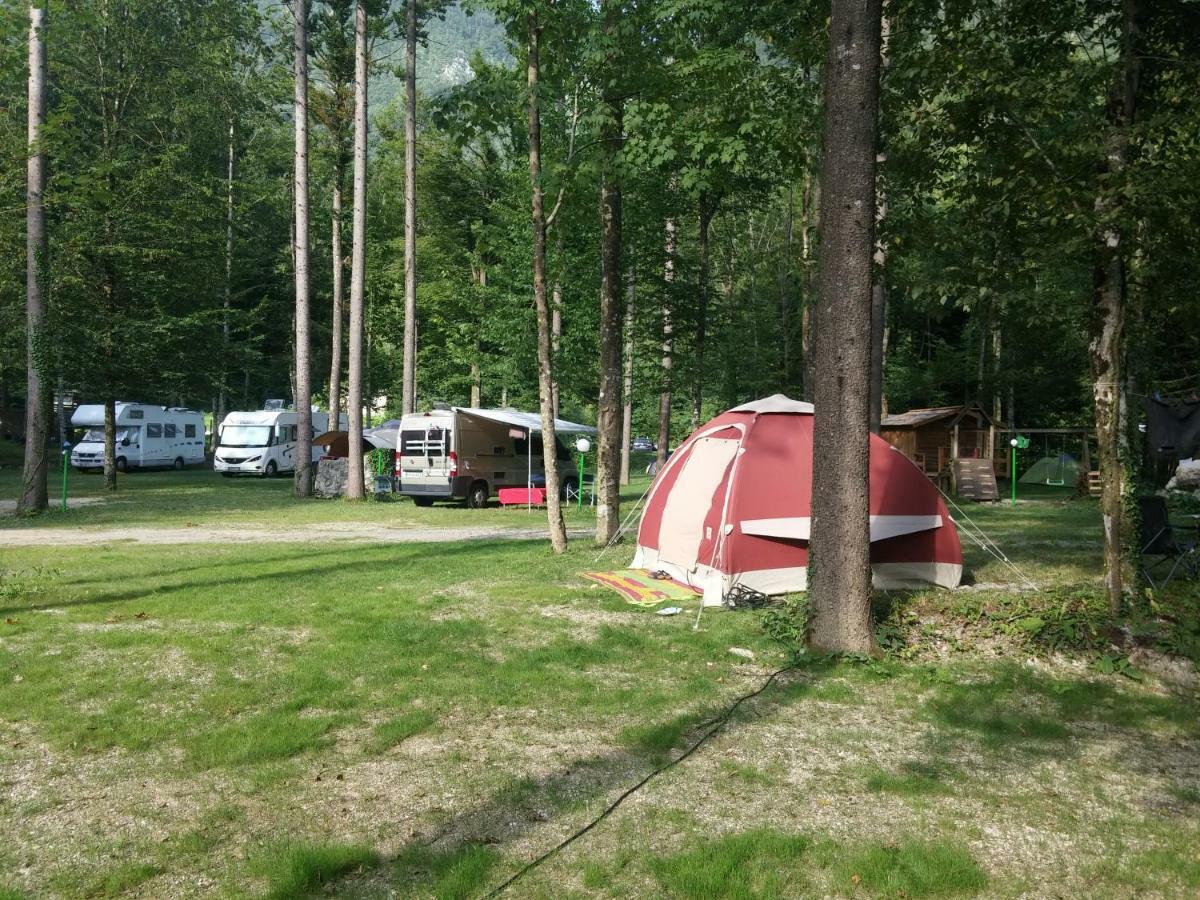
122, 466
477, 497
271, 470
178, 464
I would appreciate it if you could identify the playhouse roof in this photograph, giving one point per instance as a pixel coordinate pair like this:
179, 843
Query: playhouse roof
918, 418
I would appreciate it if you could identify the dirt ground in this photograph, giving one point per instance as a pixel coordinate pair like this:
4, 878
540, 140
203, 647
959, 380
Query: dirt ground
299, 534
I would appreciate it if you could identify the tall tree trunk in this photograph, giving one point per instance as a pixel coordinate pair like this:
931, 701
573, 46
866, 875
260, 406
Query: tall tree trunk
839, 547
355, 489
810, 217
481, 277
786, 289
608, 408
223, 396
1108, 305
302, 482
335, 246
558, 529
37, 407
707, 209
627, 378
879, 295
410, 208
668, 345
110, 444
556, 322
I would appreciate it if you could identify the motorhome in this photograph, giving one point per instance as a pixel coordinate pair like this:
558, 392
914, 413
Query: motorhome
468, 454
262, 442
147, 436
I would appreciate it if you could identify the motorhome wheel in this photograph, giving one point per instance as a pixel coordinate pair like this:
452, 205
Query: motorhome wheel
478, 496
271, 470
122, 466
179, 464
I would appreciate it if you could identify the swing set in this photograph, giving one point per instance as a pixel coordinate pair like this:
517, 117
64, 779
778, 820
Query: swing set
1056, 467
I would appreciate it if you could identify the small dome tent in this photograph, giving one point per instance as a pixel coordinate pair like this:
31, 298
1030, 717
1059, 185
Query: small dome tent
733, 506
1055, 470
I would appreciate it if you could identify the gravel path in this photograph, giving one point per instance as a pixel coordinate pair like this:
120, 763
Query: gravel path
300, 534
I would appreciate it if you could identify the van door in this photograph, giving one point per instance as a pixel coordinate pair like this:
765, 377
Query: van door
427, 456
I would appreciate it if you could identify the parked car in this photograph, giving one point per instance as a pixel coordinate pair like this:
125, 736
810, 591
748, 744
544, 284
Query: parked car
643, 445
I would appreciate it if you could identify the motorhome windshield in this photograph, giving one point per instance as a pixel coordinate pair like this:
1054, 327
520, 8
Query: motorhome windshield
96, 435
246, 436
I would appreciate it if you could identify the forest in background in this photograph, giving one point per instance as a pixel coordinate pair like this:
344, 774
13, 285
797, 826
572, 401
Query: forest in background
992, 125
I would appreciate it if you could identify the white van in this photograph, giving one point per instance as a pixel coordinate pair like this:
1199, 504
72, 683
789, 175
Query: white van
147, 436
469, 454
262, 442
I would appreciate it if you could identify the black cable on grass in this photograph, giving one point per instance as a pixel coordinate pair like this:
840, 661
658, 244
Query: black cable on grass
717, 725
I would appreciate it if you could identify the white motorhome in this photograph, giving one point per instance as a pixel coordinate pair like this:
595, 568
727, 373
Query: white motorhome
262, 442
147, 436
468, 454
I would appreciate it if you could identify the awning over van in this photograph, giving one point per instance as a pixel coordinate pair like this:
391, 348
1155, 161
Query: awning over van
525, 420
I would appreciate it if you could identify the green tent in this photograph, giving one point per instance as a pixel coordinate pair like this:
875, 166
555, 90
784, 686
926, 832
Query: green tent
1054, 470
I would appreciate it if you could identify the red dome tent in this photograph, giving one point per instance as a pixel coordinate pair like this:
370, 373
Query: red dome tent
732, 506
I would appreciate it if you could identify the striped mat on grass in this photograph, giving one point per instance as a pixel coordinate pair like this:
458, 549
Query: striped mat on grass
637, 586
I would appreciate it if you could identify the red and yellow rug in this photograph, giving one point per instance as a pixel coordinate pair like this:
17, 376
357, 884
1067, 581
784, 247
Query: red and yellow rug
638, 586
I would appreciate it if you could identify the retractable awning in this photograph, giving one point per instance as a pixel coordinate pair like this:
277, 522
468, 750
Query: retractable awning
525, 420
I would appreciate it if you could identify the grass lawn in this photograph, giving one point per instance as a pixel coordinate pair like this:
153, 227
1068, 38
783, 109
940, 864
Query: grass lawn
370, 720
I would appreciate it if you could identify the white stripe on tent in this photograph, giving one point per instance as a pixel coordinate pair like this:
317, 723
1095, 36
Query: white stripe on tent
796, 528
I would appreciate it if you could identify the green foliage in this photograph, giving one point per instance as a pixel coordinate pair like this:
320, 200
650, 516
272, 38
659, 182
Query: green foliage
302, 870
787, 622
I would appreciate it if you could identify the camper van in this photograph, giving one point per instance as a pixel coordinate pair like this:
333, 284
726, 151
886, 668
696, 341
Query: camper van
262, 442
469, 454
147, 436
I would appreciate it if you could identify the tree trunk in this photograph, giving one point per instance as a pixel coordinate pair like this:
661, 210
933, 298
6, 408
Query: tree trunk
223, 396
335, 246
786, 289
37, 407
480, 275
707, 208
110, 444
1108, 306
556, 316
879, 295
810, 205
410, 208
302, 482
608, 408
839, 548
355, 489
668, 346
627, 388
558, 529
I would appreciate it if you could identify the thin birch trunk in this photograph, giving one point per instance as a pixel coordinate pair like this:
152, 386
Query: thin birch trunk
707, 209
410, 208
223, 397
608, 416
1108, 307
668, 346
355, 489
839, 549
37, 408
627, 388
558, 529
302, 481
339, 272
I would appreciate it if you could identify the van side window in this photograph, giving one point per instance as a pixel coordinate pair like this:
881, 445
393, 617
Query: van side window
189, 431
153, 430
169, 430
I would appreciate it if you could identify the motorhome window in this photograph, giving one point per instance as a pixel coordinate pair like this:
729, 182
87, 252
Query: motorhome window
154, 430
169, 430
95, 436
522, 448
137, 414
246, 436
419, 442
189, 431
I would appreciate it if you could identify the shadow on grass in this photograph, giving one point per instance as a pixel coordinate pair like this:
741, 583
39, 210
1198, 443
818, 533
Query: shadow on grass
384, 556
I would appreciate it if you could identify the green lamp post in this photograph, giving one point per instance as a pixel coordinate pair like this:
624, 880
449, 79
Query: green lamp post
1020, 442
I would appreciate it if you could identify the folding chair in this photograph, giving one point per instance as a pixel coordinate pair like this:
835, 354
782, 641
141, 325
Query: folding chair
1160, 538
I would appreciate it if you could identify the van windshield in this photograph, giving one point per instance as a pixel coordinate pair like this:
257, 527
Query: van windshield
96, 435
246, 436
